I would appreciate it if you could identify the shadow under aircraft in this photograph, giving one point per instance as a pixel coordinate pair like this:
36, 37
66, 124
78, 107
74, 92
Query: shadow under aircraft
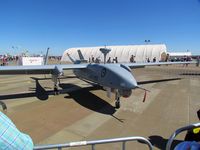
38, 92
85, 98
89, 101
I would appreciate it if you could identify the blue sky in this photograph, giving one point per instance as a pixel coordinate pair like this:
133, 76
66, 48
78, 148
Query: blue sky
60, 24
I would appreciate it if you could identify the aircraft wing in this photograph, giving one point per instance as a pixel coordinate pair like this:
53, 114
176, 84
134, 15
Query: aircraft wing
41, 69
73, 66
140, 65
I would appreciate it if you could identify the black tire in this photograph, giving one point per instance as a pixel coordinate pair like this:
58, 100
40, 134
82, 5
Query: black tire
117, 105
56, 92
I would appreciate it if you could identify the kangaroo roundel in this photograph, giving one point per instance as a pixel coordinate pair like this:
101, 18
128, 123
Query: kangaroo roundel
103, 72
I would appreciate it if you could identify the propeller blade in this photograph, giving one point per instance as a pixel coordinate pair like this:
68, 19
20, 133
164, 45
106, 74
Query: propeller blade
143, 89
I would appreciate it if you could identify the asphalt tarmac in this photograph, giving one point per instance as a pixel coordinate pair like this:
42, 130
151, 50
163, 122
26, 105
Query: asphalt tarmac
83, 112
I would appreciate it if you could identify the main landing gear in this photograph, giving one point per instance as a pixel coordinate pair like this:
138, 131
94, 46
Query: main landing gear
117, 100
56, 91
55, 80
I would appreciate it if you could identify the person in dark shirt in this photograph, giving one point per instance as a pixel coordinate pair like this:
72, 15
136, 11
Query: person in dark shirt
132, 59
194, 134
116, 60
147, 59
192, 139
154, 59
92, 59
109, 60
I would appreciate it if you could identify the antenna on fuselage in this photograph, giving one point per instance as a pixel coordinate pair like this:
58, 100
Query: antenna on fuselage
105, 51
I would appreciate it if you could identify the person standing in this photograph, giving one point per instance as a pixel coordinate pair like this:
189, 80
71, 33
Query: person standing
154, 59
132, 59
92, 59
116, 60
109, 60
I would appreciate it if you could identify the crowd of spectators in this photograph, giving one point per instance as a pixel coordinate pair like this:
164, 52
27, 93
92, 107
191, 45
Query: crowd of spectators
98, 60
5, 59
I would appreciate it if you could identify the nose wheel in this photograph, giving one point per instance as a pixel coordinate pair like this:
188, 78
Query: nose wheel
117, 100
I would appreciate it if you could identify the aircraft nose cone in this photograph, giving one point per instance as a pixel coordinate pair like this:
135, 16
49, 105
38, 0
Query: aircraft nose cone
132, 83
129, 83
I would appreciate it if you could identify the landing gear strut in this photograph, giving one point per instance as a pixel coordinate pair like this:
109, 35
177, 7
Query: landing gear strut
55, 80
117, 100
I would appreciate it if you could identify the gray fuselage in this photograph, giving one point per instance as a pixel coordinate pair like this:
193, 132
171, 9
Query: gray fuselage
114, 76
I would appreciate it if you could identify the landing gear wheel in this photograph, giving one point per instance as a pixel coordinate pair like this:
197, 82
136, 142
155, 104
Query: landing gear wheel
117, 104
56, 92
55, 80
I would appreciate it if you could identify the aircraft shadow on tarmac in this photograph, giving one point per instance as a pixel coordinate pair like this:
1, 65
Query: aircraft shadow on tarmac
160, 142
82, 96
38, 92
85, 98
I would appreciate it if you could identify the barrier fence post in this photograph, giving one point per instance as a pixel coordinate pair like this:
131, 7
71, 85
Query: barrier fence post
123, 145
93, 147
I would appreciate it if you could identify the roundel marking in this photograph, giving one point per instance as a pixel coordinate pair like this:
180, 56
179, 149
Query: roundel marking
103, 72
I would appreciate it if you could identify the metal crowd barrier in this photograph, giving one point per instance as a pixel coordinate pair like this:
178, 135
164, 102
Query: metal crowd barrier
186, 128
93, 143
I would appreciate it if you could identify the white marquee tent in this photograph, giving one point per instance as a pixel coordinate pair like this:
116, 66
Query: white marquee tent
123, 53
179, 54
